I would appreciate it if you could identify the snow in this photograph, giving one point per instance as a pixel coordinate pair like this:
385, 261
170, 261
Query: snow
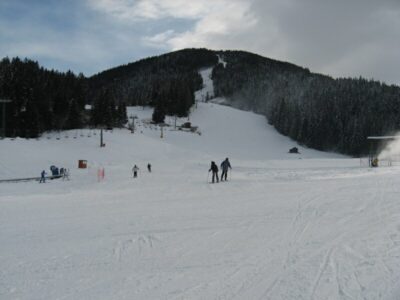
285, 226
207, 92
221, 61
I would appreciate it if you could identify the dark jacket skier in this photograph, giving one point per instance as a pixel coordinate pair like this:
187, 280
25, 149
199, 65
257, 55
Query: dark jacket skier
149, 167
42, 177
224, 166
135, 169
214, 170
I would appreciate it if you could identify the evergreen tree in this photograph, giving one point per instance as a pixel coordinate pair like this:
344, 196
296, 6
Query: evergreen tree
74, 118
158, 114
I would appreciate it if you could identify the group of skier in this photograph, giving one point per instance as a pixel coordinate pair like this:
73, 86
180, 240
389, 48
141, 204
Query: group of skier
225, 165
136, 169
64, 174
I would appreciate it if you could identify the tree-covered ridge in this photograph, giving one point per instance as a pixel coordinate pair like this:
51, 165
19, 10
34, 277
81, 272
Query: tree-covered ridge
45, 100
41, 99
316, 110
167, 81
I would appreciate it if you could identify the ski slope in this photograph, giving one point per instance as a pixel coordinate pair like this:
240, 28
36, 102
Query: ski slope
309, 226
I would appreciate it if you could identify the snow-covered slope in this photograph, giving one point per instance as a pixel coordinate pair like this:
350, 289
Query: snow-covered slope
308, 226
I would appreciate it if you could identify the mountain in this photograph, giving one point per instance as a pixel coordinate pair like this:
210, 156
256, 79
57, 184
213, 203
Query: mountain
167, 82
316, 110
313, 109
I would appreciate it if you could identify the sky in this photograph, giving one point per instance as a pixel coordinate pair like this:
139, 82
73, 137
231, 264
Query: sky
341, 38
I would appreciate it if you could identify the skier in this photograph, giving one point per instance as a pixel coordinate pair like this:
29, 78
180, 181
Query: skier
149, 167
224, 166
42, 177
66, 174
135, 169
214, 170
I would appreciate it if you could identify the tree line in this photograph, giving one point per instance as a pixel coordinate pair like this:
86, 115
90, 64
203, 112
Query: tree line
315, 110
41, 99
166, 82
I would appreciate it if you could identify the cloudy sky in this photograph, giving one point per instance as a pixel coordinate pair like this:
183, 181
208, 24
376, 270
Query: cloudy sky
342, 38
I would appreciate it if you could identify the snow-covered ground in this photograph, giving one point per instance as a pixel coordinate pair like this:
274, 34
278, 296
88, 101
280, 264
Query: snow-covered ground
285, 226
207, 92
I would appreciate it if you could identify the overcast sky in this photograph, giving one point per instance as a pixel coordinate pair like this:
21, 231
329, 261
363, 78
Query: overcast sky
342, 38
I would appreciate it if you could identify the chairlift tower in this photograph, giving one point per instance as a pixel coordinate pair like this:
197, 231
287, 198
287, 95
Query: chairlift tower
101, 138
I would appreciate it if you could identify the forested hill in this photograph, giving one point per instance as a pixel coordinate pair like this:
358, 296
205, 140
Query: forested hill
167, 82
316, 110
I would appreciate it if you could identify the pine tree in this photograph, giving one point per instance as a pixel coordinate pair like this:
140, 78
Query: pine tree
74, 118
158, 114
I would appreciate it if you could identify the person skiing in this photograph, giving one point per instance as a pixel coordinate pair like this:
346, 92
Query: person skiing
149, 167
224, 166
42, 177
214, 170
135, 169
66, 174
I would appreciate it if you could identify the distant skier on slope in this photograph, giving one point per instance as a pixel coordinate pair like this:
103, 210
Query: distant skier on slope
42, 177
66, 174
149, 167
214, 170
135, 169
224, 166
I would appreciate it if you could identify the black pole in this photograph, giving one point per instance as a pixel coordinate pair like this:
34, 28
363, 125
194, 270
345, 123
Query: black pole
101, 137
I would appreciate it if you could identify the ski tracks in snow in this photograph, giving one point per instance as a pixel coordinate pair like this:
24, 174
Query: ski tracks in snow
132, 247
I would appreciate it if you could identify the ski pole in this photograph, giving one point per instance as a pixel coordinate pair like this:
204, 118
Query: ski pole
208, 175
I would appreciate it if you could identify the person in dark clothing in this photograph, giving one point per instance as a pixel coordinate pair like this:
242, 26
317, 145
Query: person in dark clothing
135, 169
149, 167
214, 170
224, 166
43, 177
